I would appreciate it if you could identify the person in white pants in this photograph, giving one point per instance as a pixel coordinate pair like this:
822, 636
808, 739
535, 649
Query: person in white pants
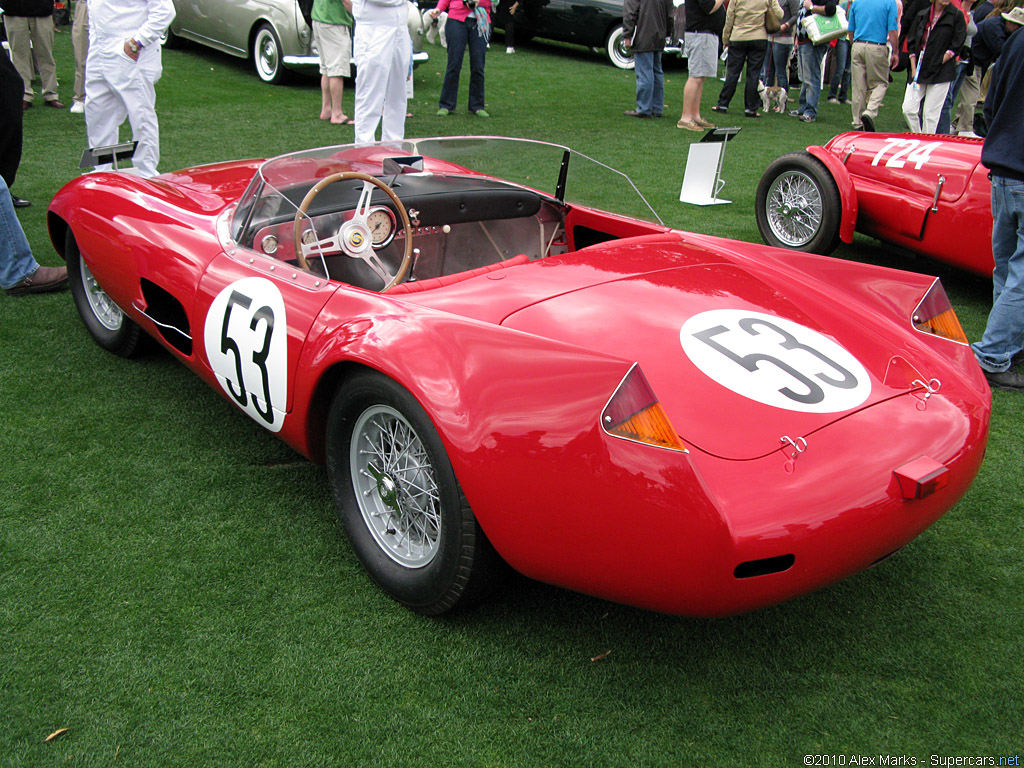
121, 72
381, 52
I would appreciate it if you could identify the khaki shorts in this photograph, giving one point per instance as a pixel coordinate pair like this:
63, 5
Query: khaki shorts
701, 49
334, 42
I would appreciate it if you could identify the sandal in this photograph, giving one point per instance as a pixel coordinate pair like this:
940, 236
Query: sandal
346, 121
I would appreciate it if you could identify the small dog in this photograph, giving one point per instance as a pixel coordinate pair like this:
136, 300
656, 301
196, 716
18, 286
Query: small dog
772, 95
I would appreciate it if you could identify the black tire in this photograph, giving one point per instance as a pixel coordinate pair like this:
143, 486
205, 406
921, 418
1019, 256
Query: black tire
616, 50
267, 57
407, 519
107, 324
798, 205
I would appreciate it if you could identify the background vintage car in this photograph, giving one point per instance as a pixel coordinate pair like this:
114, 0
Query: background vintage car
273, 34
927, 194
596, 24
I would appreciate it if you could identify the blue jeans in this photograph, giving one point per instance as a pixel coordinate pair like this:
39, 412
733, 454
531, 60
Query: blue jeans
1004, 333
776, 65
839, 88
16, 262
650, 82
954, 89
460, 35
810, 58
752, 52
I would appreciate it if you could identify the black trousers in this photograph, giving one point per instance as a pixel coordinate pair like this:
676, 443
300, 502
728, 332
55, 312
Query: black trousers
12, 93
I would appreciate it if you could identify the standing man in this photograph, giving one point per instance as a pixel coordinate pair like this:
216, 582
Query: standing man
810, 57
382, 51
332, 30
29, 25
121, 72
873, 23
705, 20
645, 25
1004, 113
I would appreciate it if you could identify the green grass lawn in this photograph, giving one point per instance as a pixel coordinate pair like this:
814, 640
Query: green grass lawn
175, 589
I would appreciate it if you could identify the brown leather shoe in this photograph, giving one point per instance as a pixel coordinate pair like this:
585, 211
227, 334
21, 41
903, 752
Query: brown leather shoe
42, 280
26, 105
54, 103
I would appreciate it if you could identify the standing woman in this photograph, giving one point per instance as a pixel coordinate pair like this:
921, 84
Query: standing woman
469, 25
776, 60
746, 40
936, 34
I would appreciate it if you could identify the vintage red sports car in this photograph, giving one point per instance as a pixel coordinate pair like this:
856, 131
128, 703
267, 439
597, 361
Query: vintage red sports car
499, 376
925, 193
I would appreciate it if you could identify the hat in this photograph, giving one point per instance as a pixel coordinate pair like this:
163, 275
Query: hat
1016, 15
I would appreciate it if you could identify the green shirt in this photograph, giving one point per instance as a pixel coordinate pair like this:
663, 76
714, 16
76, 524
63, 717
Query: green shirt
331, 12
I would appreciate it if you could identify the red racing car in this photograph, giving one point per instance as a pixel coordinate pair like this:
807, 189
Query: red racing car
928, 194
503, 374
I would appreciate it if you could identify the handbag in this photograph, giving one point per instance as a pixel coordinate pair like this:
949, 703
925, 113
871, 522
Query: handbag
772, 23
822, 29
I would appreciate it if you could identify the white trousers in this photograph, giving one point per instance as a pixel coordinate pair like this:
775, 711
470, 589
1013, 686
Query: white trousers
922, 106
381, 55
117, 88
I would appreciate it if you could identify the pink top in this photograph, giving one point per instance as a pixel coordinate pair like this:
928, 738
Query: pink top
459, 11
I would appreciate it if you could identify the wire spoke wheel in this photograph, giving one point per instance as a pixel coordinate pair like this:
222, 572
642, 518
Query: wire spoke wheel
107, 313
794, 208
396, 487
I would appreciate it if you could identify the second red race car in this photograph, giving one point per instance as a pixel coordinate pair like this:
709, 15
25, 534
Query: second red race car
927, 194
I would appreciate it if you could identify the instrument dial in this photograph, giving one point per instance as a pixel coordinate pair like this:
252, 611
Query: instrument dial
381, 223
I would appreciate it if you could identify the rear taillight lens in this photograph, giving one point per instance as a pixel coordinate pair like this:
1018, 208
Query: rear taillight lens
634, 413
935, 315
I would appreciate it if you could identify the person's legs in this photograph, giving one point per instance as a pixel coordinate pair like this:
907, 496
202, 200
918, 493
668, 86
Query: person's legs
457, 36
876, 60
756, 50
970, 90
733, 69
477, 60
42, 50
16, 262
692, 93
19, 38
912, 106
395, 101
934, 98
780, 55
812, 68
1004, 332
841, 53
658, 93
947, 106
104, 108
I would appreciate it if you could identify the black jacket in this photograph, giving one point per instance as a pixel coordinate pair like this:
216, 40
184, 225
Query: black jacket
647, 22
34, 8
699, 17
1004, 113
949, 34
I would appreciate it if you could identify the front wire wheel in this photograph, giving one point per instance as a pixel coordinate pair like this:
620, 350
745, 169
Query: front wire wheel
798, 205
400, 503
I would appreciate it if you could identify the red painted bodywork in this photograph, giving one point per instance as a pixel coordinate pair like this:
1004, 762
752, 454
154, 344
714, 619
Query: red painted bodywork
514, 368
897, 204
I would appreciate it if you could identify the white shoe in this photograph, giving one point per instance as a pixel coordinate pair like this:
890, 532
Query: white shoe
78, 108
510, 49
970, 134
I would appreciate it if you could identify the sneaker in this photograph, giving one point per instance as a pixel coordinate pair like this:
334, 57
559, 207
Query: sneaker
47, 279
795, 113
1008, 380
806, 118
510, 49
442, 112
77, 108
481, 113
720, 109
834, 100
869, 122
970, 134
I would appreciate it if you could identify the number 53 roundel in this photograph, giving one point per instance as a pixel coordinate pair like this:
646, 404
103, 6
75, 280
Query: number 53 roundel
247, 345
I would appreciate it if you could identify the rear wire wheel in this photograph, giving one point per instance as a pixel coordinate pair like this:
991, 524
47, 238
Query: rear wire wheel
798, 205
399, 501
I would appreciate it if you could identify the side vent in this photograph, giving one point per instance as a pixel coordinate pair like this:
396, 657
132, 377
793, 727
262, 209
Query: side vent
764, 567
169, 316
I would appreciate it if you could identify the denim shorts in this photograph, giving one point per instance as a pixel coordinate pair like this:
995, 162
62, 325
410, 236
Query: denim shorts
701, 49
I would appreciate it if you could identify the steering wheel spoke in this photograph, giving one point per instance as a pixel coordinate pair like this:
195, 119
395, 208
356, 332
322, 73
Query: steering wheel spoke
354, 238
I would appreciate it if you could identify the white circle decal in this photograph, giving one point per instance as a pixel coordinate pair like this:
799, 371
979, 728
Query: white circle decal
246, 337
775, 361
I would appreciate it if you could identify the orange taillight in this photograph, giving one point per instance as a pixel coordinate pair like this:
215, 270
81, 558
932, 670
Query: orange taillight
634, 413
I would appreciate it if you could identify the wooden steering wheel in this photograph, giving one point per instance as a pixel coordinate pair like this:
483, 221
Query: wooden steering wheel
354, 238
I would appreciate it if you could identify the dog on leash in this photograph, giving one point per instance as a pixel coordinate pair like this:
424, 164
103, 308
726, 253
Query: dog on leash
772, 95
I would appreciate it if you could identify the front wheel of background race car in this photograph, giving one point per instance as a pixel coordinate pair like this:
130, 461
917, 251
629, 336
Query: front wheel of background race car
798, 204
399, 501
618, 52
106, 323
